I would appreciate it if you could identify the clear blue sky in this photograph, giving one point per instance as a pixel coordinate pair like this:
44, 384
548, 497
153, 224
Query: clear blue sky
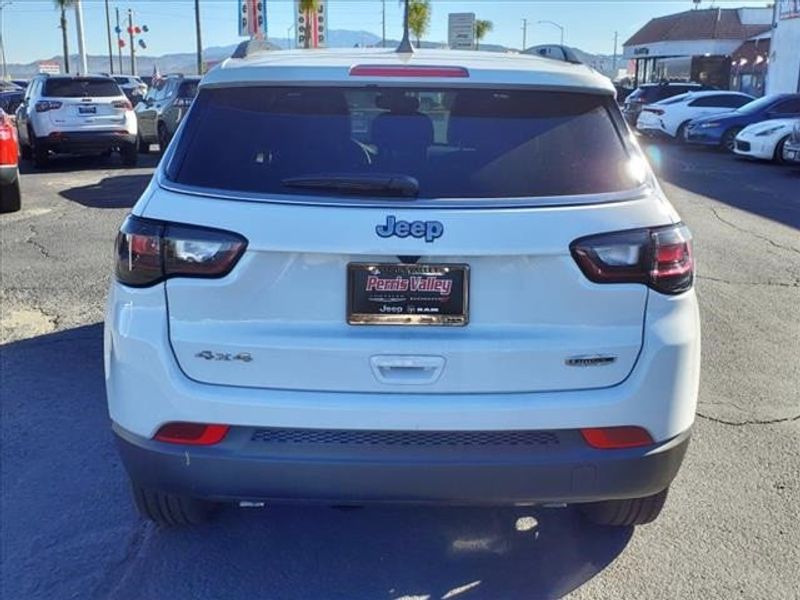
31, 26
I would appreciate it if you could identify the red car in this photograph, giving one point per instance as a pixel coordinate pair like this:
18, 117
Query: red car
9, 169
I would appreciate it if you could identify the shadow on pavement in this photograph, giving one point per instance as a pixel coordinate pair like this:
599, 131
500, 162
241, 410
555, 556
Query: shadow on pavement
759, 187
121, 191
72, 163
69, 530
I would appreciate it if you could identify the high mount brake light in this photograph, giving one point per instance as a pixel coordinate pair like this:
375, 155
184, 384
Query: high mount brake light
148, 251
407, 71
661, 258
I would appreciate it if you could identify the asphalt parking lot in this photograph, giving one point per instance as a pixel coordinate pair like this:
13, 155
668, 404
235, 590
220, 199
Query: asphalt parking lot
730, 528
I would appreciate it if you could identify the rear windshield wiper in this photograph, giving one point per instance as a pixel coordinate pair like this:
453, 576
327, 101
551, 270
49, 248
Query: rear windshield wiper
374, 185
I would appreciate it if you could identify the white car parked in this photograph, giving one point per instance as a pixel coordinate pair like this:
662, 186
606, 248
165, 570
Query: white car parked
765, 140
366, 275
76, 115
671, 117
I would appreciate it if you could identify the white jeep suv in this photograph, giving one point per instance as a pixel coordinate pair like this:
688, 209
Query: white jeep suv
434, 277
76, 115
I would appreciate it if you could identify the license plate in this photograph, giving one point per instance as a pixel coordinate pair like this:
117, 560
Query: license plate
87, 110
396, 294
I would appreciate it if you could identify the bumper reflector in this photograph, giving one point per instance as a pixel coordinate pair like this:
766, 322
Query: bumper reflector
192, 434
610, 438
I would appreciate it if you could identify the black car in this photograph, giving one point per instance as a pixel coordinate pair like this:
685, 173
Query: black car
653, 92
11, 96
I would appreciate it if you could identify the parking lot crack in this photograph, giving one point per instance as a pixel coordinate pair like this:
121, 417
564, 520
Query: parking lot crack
771, 242
31, 239
748, 422
785, 284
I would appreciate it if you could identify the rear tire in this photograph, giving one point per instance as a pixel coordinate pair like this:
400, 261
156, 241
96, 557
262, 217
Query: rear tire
144, 147
728, 142
41, 156
170, 510
680, 135
130, 154
25, 151
163, 138
625, 513
10, 197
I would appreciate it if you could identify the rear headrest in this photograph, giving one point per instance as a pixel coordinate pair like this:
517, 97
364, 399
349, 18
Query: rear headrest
398, 103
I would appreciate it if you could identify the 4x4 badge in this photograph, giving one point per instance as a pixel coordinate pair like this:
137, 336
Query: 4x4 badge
430, 230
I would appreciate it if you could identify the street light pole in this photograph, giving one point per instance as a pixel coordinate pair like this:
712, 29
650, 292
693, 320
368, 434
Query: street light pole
119, 39
199, 40
81, 43
2, 41
108, 30
524, 34
614, 64
554, 24
133, 47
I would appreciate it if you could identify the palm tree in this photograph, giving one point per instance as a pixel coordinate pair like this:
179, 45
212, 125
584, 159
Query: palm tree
308, 7
63, 5
419, 18
482, 27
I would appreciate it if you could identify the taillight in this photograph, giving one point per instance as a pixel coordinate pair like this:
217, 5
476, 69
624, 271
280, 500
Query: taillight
192, 434
123, 104
655, 111
46, 105
148, 251
615, 438
660, 258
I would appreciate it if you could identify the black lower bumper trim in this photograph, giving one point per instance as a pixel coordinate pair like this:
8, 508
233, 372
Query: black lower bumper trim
466, 468
78, 142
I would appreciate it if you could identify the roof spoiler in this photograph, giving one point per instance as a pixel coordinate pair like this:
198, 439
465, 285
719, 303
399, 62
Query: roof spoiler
556, 52
251, 47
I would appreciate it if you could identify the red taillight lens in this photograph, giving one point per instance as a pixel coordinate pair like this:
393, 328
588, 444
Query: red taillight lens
610, 438
192, 434
660, 258
150, 251
46, 105
407, 71
123, 104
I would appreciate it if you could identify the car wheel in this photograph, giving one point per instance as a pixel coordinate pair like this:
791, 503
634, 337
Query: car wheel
163, 138
130, 154
778, 155
729, 139
680, 135
10, 197
624, 513
41, 156
25, 151
144, 147
171, 510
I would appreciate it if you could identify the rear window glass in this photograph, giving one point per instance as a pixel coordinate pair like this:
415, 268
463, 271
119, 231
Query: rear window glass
456, 143
81, 88
188, 89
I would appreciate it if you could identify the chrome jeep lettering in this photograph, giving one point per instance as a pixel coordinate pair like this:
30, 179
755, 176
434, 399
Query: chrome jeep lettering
430, 230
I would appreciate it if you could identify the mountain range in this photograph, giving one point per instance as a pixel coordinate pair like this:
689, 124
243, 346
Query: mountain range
186, 62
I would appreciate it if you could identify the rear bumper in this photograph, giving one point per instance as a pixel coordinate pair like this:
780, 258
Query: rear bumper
8, 174
493, 468
85, 141
704, 138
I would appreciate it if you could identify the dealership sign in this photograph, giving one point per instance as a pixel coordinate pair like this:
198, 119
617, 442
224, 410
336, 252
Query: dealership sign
311, 25
253, 18
461, 31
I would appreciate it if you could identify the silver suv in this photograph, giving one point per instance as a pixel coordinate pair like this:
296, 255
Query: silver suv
163, 108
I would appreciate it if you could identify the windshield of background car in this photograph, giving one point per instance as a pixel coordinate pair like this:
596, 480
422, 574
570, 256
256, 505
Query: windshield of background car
456, 143
84, 87
756, 105
188, 89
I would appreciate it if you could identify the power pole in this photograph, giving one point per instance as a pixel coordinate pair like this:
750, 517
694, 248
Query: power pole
133, 47
2, 43
199, 40
614, 64
524, 34
119, 39
108, 30
383, 44
81, 43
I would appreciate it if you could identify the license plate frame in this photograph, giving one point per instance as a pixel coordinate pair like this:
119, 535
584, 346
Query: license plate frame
87, 110
423, 302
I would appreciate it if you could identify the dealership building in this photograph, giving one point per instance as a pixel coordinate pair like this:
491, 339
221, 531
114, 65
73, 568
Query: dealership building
784, 56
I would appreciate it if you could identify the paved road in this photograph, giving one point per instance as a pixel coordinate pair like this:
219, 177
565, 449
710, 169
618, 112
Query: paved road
730, 528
